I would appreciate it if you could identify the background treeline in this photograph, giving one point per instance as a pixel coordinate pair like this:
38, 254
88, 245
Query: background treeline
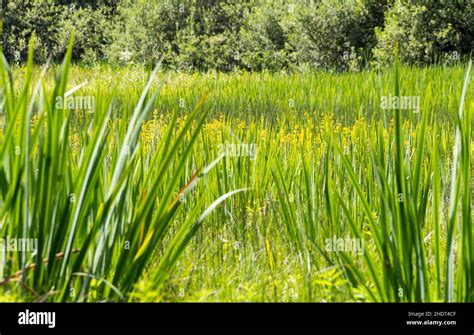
242, 34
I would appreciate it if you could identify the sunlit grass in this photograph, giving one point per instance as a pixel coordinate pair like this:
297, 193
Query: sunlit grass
329, 162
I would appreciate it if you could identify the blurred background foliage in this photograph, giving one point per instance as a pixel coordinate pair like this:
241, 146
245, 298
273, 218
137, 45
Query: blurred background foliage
251, 35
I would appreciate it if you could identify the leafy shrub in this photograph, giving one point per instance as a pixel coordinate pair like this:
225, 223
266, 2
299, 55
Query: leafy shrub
91, 33
23, 18
52, 23
334, 36
146, 31
265, 40
250, 35
425, 29
210, 38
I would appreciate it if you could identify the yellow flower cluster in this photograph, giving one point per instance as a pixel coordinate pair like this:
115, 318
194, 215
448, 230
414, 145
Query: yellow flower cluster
150, 133
309, 136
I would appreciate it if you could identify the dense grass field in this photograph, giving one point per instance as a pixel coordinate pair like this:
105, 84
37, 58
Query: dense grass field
236, 187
